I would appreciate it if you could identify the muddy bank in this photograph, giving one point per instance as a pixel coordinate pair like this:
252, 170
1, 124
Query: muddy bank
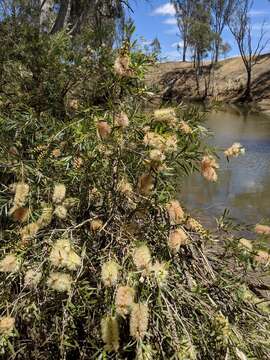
177, 81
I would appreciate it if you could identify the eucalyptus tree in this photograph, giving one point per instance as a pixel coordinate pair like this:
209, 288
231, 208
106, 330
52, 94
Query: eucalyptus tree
183, 12
250, 48
220, 13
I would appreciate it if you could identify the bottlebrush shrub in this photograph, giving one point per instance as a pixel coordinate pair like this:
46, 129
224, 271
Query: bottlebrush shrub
103, 277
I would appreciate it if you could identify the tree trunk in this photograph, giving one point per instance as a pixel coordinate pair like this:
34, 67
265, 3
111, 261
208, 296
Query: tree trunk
184, 50
216, 51
62, 17
247, 94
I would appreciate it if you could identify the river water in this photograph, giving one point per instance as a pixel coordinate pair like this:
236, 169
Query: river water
243, 185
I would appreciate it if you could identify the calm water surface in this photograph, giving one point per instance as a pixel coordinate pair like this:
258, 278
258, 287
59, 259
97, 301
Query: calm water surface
244, 182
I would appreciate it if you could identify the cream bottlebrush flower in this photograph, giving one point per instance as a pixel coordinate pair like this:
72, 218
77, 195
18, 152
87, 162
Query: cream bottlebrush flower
62, 255
247, 244
142, 257
45, 217
153, 140
262, 229
175, 212
166, 116
139, 320
61, 212
170, 144
59, 193
156, 155
21, 193
56, 153
110, 333
184, 127
122, 65
7, 324
262, 257
9, 263
96, 224
73, 104
109, 273
124, 299
125, 187
160, 272
32, 278
60, 281
208, 168
121, 119
194, 225
176, 239
104, 129
29, 231
145, 184
235, 150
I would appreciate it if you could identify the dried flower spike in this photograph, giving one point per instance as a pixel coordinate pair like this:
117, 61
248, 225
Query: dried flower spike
7, 324
21, 193
208, 168
176, 239
175, 212
109, 273
110, 333
29, 231
142, 257
145, 184
9, 263
104, 129
96, 224
139, 321
122, 65
262, 229
121, 120
262, 257
21, 214
124, 299
59, 193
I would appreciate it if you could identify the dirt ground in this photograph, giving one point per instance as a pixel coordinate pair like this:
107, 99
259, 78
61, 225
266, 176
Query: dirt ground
176, 80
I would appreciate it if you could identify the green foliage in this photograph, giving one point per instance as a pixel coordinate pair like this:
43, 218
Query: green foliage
74, 116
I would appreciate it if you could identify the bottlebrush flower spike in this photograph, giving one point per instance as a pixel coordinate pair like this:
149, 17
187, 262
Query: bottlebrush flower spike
139, 320
110, 333
124, 299
109, 273
21, 193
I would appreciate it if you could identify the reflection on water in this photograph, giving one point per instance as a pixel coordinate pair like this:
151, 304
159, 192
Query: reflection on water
244, 182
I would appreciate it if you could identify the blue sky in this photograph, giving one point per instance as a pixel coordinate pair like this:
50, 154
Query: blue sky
155, 18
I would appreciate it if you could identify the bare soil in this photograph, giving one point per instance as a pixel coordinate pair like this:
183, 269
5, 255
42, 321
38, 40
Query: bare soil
177, 81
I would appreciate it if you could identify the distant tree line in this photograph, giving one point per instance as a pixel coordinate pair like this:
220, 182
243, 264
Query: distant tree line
201, 24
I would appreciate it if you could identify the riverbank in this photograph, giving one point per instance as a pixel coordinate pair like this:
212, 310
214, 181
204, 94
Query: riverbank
177, 81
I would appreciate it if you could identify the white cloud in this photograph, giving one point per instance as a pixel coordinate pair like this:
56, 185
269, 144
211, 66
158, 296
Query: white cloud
170, 21
166, 9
